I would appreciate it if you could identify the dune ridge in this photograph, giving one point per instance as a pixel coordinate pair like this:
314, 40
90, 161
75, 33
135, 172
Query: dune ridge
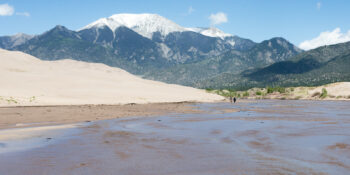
29, 81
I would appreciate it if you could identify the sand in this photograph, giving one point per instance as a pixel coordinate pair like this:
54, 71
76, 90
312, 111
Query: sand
28, 81
23, 133
29, 116
340, 90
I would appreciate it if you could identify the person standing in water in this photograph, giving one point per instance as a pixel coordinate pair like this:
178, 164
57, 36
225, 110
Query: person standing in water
234, 100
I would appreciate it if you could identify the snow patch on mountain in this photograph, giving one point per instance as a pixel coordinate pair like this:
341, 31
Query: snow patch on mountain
231, 42
144, 24
212, 32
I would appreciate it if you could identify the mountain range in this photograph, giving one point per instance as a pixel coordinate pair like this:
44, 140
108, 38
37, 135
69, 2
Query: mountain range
156, 48
8, 42
323, 65
137, 43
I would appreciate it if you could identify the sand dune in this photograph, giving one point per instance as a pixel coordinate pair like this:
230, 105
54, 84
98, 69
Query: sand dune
26, 80
340, 90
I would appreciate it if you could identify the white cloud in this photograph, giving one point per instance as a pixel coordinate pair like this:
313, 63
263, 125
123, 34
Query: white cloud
26, 14
218, 18
318, 5
190, 10
326, 38
6, 10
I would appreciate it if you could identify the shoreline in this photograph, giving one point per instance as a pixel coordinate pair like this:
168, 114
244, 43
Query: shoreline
32, 116
12, 117
121, 104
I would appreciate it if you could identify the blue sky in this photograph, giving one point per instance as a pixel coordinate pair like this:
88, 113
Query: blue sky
295, 20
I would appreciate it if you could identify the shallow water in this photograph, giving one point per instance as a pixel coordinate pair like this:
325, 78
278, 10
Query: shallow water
21, 139
264, 137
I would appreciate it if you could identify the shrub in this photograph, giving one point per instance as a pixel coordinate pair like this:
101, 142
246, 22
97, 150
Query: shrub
231, 93
11, 100
258, 93
222, 93
324, 93
245, 94
269, 90
226, 93
209, 89
276, 89
231, 90
234, 94
31, 99
281, 90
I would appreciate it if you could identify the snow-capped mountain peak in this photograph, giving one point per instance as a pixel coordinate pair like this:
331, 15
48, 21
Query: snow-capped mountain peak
144, 24
212, 32
147, 24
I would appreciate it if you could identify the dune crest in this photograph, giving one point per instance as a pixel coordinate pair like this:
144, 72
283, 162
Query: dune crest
26, 80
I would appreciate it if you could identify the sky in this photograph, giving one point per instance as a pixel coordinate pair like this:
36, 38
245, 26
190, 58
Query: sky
305, 23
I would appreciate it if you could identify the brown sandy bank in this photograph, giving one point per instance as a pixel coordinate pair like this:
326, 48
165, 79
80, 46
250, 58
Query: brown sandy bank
11, 117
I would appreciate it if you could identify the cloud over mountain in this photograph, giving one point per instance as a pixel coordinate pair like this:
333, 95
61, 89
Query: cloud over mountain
326, 38
6, 10
218, 18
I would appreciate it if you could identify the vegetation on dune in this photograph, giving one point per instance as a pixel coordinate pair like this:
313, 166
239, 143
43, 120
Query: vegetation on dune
224, 92
11, 100
276, 89
324, 93
32, 99
209, 90
246, 94
282, 93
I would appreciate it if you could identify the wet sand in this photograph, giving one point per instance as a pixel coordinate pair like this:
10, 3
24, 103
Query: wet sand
263, 137
14, 117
